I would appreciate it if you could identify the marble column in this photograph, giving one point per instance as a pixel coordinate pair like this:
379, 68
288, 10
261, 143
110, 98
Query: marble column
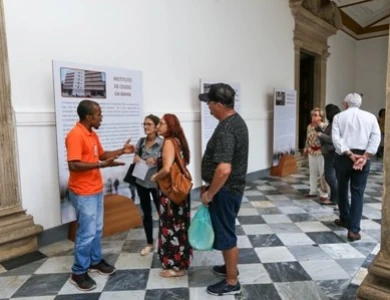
18, 233
376, 284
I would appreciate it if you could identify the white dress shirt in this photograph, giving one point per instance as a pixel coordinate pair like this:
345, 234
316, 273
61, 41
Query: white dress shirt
355, 129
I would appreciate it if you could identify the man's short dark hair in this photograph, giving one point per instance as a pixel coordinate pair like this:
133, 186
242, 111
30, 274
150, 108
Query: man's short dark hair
85, 108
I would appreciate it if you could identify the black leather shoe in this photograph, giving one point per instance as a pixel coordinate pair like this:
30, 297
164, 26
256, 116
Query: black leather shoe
353, 236
340, 223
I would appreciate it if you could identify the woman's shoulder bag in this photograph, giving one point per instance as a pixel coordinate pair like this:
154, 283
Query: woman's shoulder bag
177, 184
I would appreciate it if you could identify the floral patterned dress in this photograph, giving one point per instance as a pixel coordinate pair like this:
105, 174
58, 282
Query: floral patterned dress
174, 249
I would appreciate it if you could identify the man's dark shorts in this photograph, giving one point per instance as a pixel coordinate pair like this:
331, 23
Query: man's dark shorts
223, 212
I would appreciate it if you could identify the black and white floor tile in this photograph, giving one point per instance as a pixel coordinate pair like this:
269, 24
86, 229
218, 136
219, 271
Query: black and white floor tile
289, 249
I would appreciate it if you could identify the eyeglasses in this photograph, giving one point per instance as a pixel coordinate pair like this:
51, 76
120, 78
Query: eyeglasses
147, 124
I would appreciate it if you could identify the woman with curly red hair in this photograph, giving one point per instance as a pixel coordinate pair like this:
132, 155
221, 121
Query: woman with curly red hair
174, 249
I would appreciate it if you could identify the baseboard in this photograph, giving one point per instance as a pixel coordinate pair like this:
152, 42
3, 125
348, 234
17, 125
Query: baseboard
60, 233
258, 175
53, 235
195, 193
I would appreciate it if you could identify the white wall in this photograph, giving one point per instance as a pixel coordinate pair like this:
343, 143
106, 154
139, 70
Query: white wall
357, 66
341, 68
371, 68
173, 42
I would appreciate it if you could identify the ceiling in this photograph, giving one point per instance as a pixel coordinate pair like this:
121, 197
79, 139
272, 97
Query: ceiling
364, 19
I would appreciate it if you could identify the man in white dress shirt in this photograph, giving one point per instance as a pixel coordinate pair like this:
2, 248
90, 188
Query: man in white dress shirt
356, 137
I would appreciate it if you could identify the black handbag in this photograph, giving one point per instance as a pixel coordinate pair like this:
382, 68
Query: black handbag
129, 178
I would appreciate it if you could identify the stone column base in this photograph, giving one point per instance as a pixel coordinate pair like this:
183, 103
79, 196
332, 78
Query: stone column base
376, 284
18, 233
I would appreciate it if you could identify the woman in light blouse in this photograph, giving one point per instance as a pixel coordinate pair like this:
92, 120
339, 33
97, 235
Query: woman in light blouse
148, 149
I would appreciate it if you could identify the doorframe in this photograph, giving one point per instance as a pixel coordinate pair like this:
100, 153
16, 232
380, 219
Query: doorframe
304, 120
311, 35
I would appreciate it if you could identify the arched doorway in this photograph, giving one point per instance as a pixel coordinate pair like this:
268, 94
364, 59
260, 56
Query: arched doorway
311, 34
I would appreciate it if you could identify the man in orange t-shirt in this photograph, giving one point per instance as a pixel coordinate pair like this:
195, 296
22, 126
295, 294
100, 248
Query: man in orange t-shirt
85, 157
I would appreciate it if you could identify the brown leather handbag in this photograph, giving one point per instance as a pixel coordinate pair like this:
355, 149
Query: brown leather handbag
177, 184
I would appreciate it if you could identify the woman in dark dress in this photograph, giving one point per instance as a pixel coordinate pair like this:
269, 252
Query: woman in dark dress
174, 249
329, 153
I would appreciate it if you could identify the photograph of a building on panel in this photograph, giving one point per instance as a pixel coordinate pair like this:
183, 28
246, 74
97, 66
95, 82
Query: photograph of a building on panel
83, 83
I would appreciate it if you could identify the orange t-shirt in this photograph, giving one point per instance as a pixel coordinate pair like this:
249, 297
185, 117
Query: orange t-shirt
84, 146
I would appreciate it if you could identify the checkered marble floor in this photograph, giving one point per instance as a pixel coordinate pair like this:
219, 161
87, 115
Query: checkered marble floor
289, 249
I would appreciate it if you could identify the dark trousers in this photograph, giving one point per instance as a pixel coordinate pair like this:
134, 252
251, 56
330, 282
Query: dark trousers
381, 148
146, 206
331, 176
132, 191
351, 213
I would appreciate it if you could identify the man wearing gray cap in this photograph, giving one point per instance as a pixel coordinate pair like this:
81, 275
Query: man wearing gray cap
356, 137
224, 167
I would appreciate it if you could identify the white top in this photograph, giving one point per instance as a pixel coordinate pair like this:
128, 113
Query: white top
355, 129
